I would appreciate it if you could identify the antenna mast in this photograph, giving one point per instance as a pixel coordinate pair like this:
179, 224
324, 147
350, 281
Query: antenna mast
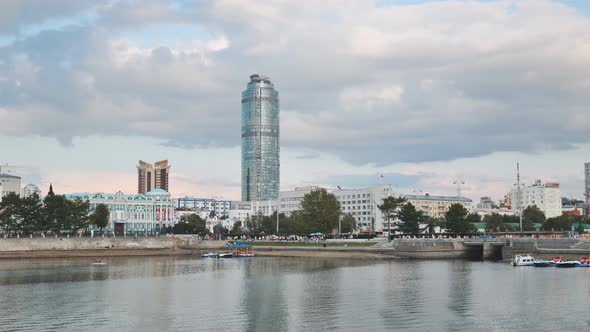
518, 195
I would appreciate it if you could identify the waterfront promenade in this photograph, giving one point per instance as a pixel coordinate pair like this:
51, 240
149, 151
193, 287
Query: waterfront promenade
424, 248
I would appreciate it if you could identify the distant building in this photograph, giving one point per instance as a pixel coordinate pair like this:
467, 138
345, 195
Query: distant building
486, 202
260, 140
29, 190
547, 197
9, 184
133, 213
363, 205
207, 205
150, 177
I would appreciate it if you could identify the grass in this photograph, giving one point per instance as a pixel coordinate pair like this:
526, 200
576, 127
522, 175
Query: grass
311, 244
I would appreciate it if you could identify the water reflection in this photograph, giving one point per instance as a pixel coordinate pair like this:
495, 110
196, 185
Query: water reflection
279, 294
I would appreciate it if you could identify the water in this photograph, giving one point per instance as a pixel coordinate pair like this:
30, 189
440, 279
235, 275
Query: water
289, 294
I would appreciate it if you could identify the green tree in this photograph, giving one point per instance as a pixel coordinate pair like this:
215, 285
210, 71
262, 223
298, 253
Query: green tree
495, 223
456, 220
409, 218
77, 215
561, 223
220, 231
30, 213
100, 216
54, 212
347, 224
580, 229
389, 209
236, 229
9, 213
320, 211
530, 216
473, 218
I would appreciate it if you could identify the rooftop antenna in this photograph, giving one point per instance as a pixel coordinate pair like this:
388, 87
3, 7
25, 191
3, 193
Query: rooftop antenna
459, 183
518, 195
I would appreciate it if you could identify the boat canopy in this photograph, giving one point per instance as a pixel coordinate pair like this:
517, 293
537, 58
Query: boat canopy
316, 234
238, 245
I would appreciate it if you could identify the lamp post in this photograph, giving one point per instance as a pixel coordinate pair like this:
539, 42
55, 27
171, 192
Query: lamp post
278, 208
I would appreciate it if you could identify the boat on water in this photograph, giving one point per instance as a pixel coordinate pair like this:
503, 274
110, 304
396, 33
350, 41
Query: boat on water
99, 262
567, 264
241, 250
210, 255
542, 263
523, 260
225, 255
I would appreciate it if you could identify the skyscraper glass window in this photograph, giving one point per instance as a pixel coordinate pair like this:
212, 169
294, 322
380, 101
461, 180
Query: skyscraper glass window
260, 140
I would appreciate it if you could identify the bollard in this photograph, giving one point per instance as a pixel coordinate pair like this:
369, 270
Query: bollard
31, 236
68, 236
56, 236
18, 236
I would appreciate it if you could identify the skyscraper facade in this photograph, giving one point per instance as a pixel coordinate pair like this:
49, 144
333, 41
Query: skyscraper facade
150, 177
587, 186
260, 140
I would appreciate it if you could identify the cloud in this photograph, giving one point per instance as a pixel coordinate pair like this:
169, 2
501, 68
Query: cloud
371, 84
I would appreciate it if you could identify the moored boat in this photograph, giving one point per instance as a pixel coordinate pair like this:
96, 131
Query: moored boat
225, 255
241, 250
567, 264
523, 260
99, 262
542, 263
210, 255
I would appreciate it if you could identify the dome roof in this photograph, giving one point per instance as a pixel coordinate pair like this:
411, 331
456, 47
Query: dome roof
158, 191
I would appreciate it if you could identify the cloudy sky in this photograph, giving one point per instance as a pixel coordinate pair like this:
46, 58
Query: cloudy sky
423, 92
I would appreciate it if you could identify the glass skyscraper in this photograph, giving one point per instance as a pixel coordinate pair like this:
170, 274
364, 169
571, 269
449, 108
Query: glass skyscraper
260, 140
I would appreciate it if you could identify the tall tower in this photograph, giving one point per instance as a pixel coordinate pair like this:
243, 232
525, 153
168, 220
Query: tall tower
150, 177
587, 186
260, 140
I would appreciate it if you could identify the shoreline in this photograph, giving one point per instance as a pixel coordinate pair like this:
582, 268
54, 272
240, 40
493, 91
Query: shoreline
119, 252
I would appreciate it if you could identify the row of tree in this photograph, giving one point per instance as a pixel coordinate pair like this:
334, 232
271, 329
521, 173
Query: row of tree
53, 214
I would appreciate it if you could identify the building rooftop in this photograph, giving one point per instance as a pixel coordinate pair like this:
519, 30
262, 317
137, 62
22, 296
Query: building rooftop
8, 176
438, 198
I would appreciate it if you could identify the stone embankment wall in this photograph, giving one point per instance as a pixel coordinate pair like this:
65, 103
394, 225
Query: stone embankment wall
36, 247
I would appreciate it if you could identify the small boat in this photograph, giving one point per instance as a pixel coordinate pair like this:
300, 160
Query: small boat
225, 255
567, 264
241, 250
210, 255
542, 263
523, 260
99, 262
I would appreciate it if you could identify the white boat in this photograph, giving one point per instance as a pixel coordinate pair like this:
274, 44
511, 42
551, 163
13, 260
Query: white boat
210, 255
523, 260
567, 264
225, 255
99, 262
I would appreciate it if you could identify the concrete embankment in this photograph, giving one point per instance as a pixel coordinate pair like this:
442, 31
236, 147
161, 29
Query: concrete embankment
107, 246
399, 248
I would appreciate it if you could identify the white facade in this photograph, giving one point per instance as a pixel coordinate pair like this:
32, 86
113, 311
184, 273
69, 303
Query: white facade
219, 206
9, 184
547, 197
291, 200
363, 205
133, 213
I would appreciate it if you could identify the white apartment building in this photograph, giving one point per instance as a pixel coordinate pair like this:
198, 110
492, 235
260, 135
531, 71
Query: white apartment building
220, 206
363, 205
547, 197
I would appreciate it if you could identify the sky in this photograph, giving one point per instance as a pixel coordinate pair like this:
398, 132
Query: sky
425, 93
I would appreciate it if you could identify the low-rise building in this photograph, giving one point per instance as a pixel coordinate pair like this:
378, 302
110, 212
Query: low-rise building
133, 213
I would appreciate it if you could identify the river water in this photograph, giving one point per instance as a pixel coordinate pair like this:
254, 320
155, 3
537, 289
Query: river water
289, 294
